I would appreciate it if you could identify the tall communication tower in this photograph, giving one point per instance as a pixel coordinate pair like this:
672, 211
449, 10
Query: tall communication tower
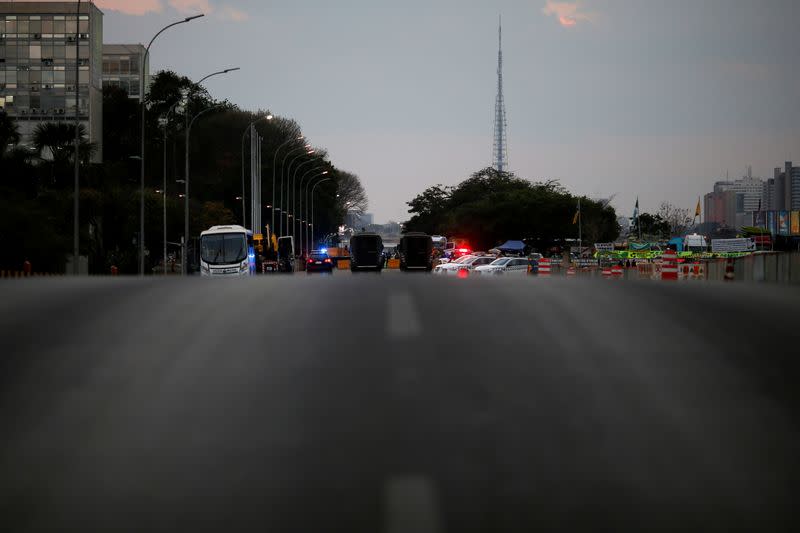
500, 151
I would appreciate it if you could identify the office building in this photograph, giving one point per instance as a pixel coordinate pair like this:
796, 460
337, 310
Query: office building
41, 43
786, 192
720, 205
121, 66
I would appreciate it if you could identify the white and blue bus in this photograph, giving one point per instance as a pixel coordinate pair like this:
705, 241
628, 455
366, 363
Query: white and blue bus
227, 251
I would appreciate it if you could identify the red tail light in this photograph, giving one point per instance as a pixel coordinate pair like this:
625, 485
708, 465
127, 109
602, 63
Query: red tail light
310, 261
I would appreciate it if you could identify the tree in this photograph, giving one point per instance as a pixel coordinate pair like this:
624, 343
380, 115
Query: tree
429, 209
121, 131
9, 133
653, 227
215, 214
57, 139
676, 218
352, 197
490, 207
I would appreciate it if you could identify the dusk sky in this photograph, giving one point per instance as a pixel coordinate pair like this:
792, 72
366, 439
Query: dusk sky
635, 97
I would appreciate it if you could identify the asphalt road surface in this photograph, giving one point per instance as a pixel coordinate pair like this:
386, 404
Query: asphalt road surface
397, 403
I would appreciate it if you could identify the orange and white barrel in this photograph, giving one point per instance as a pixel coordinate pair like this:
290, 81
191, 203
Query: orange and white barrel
571, 271
616, 271
669, 266
544, 267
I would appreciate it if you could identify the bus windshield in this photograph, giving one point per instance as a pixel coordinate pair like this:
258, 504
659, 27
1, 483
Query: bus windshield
224, 248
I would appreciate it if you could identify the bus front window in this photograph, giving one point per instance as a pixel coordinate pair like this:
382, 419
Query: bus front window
224, 249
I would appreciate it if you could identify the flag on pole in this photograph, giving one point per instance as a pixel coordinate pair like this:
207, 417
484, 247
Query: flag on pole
636, 209
577, 214
697, 211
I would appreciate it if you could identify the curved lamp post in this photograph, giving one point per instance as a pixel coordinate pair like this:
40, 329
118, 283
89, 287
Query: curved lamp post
283, 206
186, 188
304, 219
274, 168
294, 193
143, 109
312, 206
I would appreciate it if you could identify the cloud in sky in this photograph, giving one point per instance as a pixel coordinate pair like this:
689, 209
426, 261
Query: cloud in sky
184, 7
131, 7
568, 13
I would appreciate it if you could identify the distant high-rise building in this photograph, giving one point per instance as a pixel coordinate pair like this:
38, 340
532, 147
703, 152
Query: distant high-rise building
41, 44
500, 150
121, 66
783, 189
731, 203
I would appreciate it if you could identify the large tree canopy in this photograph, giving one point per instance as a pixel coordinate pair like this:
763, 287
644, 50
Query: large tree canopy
491, 207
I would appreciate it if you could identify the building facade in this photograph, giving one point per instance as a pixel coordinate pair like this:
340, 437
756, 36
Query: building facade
720, 206
121, 68
785, 190
41, 43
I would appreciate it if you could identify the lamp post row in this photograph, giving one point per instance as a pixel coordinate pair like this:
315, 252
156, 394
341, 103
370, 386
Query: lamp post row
189, 124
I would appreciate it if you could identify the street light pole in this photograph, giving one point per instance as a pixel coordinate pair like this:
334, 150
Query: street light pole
294, 193
244, 135
274, 168
312, 206
143, 109
76, 201
184, 266
304, 219
283, 209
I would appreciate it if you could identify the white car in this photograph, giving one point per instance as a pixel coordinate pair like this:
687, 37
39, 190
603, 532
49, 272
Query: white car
505, 265
464, 263
445, 268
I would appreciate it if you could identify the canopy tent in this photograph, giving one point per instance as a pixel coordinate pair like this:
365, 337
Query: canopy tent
516, 247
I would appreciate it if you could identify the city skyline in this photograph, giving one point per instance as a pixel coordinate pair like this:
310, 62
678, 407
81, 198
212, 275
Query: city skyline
611, 97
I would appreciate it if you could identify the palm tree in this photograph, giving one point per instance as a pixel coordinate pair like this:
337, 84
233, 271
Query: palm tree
58, 139
9, 133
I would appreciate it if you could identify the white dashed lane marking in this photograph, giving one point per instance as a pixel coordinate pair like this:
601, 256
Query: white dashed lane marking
410, 506
403, 319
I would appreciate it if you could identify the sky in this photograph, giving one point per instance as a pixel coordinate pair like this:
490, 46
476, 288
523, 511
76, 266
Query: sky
650, 98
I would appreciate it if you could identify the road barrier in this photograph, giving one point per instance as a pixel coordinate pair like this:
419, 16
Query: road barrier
669, 266
22, 274
571, 271
343, 264
393, 264
730, 273
616, 272
544, 267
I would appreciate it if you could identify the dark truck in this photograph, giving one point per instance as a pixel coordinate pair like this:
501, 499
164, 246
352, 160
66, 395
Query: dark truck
366, 252
286, 254
416, 251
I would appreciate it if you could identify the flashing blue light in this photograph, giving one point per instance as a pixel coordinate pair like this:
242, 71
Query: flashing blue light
323, 250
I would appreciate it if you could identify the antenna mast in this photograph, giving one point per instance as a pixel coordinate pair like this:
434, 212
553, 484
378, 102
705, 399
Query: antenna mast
500, 150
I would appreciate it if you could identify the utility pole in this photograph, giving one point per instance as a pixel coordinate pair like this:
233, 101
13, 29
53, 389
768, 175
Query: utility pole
76, 200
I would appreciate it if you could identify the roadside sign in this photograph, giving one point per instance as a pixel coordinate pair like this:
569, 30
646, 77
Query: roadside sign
604, 246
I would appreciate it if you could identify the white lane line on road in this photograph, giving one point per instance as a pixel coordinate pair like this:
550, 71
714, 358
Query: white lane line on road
410, 506
403, 318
